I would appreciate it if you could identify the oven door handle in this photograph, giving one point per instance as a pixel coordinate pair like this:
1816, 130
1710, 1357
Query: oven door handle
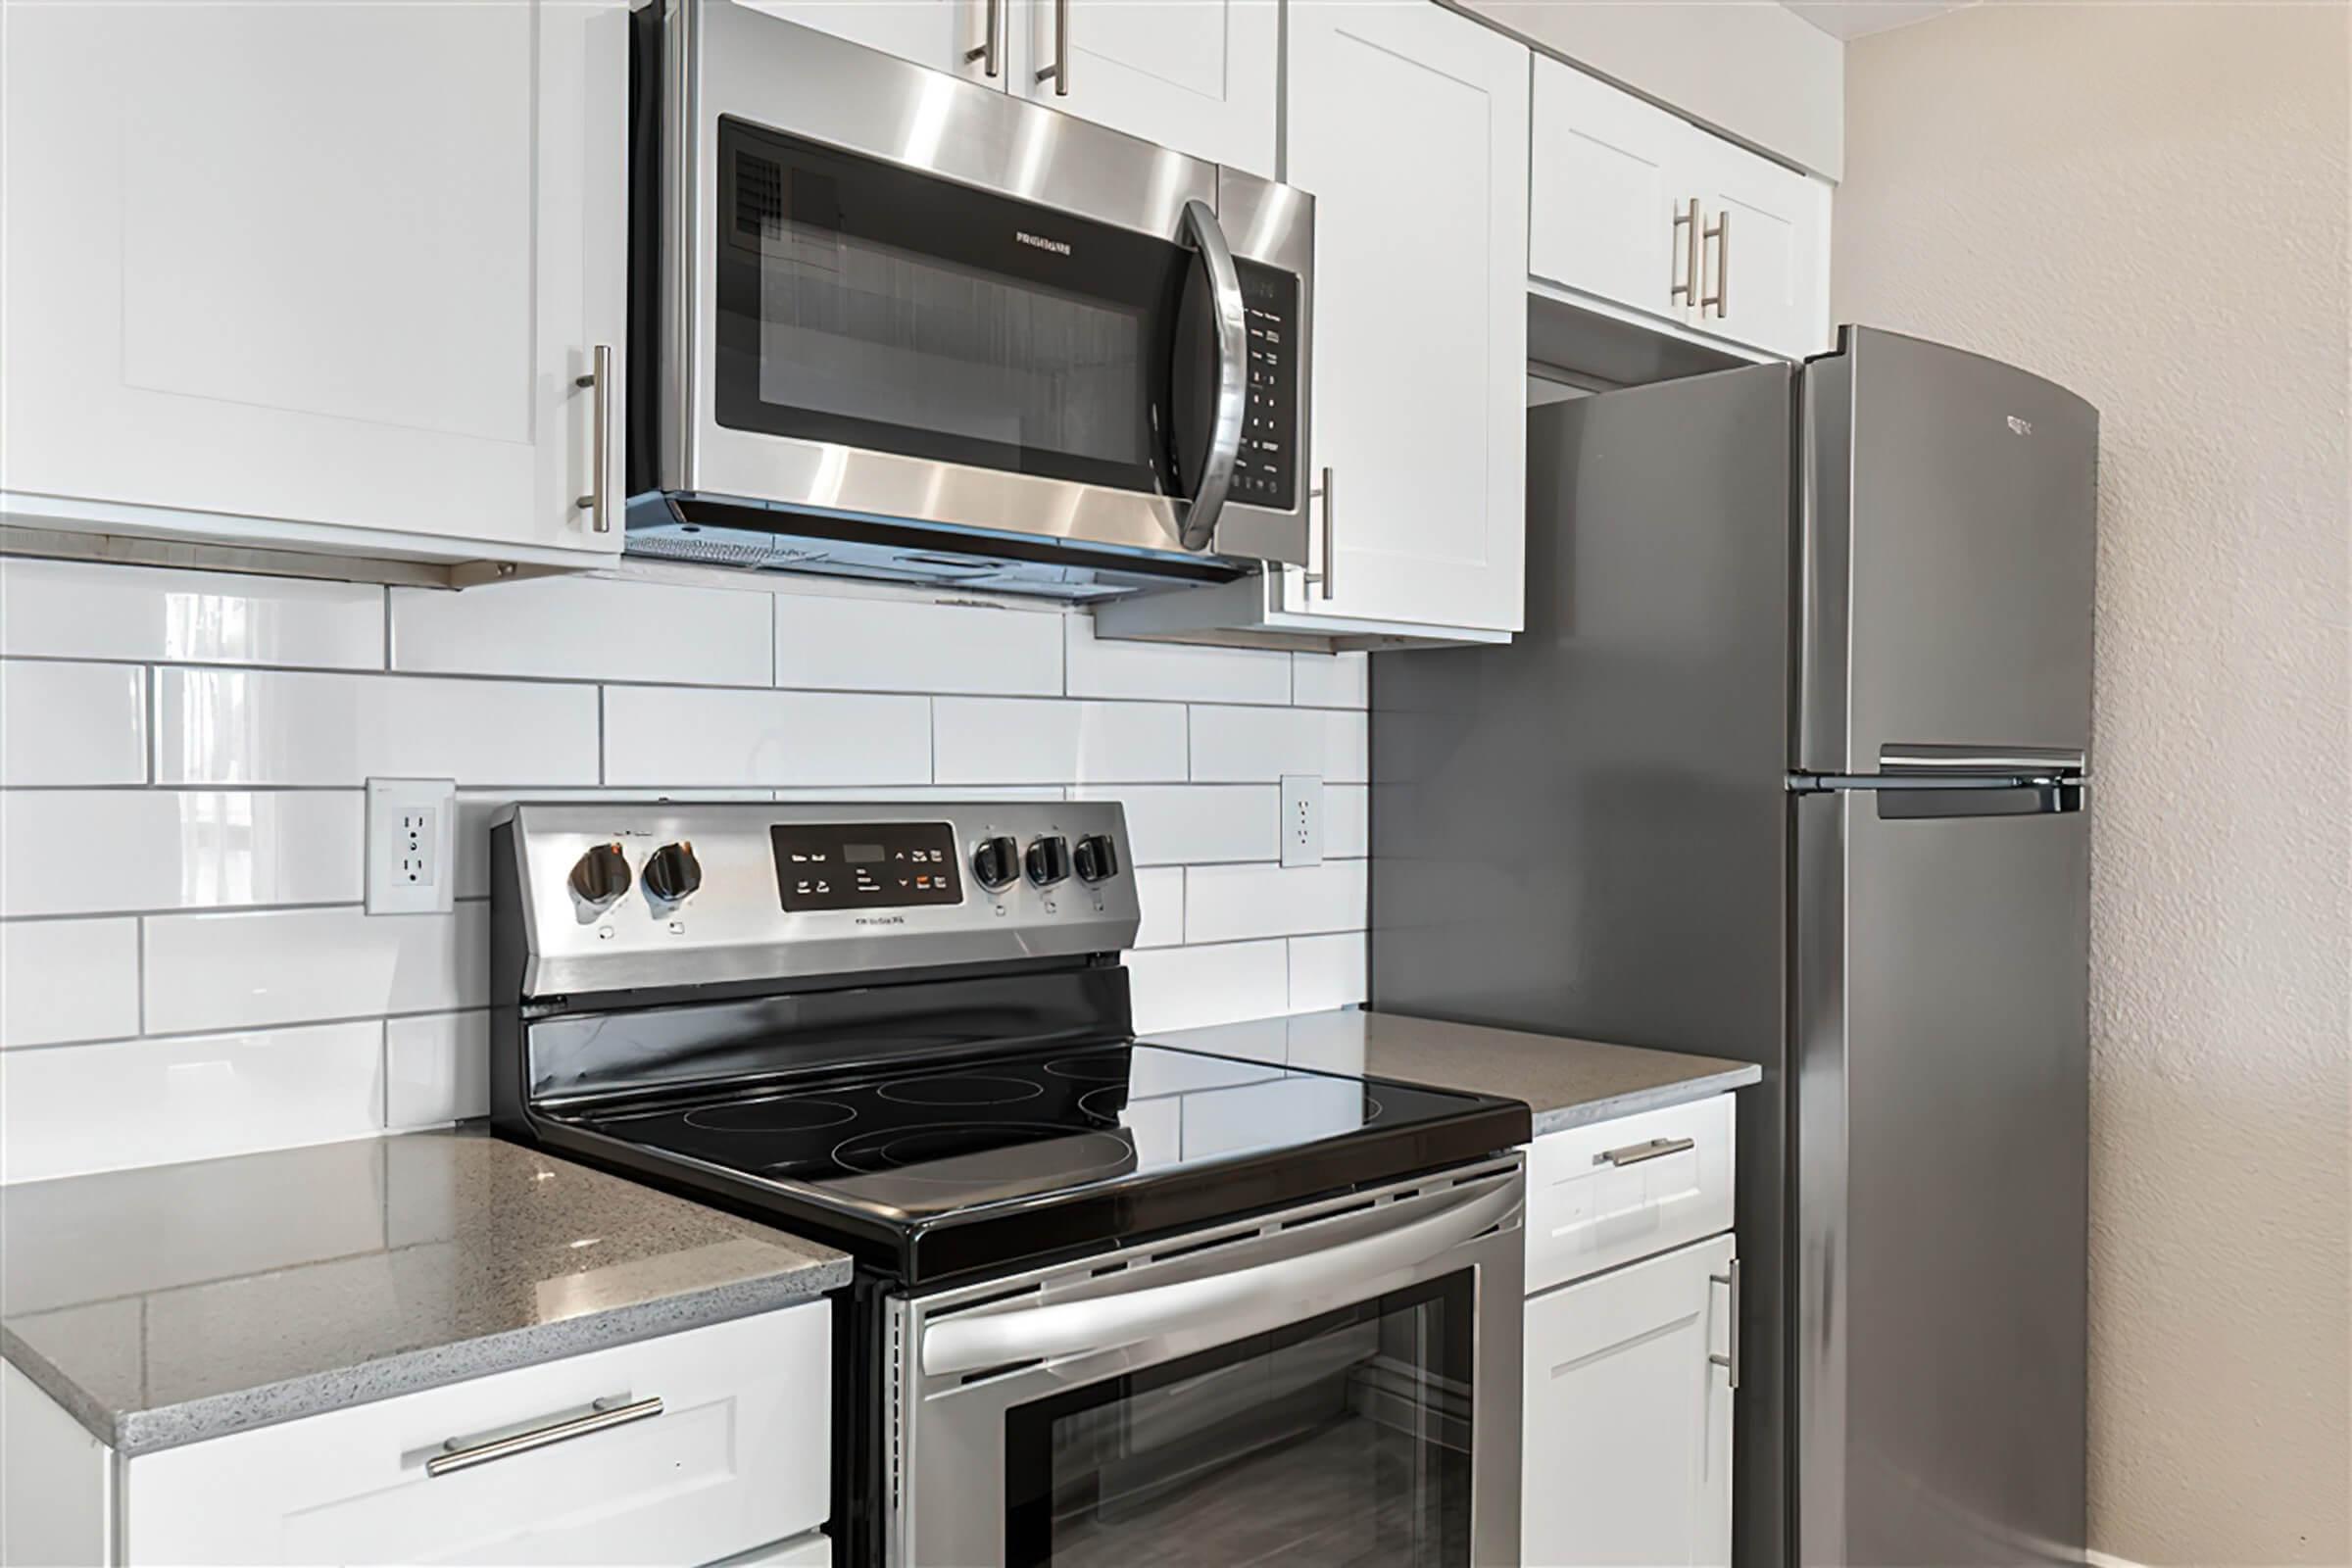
1243, 1298
1200, 226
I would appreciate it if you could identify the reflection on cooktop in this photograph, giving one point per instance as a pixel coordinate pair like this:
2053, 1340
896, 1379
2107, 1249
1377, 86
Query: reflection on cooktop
1017, 1126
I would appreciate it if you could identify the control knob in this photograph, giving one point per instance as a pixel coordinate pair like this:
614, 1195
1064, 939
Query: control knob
995, 862
673, 873
1097, 858
1048, 860
600, 876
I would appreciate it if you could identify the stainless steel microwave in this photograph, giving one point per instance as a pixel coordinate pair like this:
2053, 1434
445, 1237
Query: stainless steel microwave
892, 324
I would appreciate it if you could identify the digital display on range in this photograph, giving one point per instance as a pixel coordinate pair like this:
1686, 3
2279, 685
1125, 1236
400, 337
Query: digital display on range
866, 865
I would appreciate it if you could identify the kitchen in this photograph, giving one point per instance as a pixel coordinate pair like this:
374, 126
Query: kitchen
298, 601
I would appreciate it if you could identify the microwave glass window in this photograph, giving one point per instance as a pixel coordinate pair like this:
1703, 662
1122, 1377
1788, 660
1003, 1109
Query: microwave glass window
870, 306
1344, 1439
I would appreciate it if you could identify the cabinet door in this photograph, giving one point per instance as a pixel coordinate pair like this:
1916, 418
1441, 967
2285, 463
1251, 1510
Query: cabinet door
326, 263
1608, 176
1768, 259
945, 34
1628, 1443
1409, 123
1197, 75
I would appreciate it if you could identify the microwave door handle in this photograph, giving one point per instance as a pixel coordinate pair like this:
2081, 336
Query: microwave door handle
1246, 1299
1233, 375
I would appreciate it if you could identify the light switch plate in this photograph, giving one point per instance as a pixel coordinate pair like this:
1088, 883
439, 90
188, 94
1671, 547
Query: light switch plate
412, 837
1302, 820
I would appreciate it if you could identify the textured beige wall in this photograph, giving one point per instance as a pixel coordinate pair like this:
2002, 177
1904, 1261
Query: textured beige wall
2148, 203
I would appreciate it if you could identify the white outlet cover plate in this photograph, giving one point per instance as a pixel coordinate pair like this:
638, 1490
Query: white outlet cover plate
1302, 820
410, 845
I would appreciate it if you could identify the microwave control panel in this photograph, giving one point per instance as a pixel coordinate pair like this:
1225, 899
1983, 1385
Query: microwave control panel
1265, 473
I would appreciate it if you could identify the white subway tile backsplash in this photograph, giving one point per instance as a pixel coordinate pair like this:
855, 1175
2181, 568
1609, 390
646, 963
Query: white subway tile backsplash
656, 737
983, 740
154, 1102
436, 1069
85, 609
1178, 825
88, 852
1346, 821
1108, 667
68, 980
235, 971
249, 727
1327, 971
1233, 903
1190, 988
63, 724
1330, 680
583, 628
1241, 745
915, 645
1160, 891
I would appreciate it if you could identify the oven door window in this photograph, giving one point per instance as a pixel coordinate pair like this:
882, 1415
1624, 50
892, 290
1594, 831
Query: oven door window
866, 304
1345, 1439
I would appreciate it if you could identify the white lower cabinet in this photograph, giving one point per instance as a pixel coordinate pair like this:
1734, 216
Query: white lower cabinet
736, 1457
1628, 1443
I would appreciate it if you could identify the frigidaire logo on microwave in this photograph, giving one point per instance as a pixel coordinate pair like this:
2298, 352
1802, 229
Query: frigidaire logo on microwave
1059, 247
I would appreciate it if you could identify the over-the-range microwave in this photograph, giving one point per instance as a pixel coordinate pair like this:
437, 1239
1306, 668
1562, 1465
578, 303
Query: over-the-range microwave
889, 322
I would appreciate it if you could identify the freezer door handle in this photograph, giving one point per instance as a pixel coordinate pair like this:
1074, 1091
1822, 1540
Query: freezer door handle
2031, 761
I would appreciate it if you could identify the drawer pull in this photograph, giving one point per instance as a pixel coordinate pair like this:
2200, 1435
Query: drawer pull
615, 1411
1635, 1153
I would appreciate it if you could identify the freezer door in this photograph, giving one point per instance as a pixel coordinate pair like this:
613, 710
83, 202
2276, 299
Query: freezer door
1941, 1152
1946, 554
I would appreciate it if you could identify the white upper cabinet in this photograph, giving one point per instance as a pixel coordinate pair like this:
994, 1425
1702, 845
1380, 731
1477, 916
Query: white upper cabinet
333, 271
1634, 206
950, 36
1410, 125
1197, 75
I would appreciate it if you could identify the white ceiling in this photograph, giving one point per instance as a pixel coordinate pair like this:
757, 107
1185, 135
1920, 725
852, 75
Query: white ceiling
1851, 19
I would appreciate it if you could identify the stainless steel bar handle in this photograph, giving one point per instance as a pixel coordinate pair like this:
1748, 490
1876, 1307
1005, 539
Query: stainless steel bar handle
1686, 230
1635, 1153
1730, 1363
1240, 1297
596, 502
1720, 232
987, 50
1058, 72
1980, 758
605, 1414
1233, 375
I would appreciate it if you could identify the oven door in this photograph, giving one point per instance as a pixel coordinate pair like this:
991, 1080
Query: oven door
918, 298
1338, 1384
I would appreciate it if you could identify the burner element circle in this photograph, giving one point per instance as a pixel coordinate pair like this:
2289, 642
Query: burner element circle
904, 1152
788, 1115
951, 1090
1105, 1067
1106, 1104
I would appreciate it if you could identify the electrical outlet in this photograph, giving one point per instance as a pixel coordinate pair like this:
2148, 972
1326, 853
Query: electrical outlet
411, 834
1302, 820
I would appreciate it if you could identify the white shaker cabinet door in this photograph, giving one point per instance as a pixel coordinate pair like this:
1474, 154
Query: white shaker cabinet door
1763, 251
1628, 1455
1196, 75
335, 265
950, 35
1409, 126
1611, 183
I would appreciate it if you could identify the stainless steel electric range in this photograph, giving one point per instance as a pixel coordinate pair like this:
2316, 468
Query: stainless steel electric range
1115, 1302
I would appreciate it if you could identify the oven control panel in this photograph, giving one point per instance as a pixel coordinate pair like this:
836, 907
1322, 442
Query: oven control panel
621, 894
1265, 473
866, 866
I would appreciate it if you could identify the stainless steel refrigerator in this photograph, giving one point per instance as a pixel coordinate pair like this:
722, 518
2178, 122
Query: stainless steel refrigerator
1789, 767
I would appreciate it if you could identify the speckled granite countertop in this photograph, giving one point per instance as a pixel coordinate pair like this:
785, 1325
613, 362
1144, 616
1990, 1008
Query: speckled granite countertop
179, 1303
1565, 1082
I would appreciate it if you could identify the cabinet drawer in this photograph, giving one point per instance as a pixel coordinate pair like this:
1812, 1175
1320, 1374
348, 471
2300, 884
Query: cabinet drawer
737, 1455
1608, 1194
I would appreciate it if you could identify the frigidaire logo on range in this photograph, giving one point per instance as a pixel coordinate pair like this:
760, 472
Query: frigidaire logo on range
881, 919
1059, 247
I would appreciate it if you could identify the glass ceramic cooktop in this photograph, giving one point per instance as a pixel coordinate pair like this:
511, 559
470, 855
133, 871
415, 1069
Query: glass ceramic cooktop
933, 1141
